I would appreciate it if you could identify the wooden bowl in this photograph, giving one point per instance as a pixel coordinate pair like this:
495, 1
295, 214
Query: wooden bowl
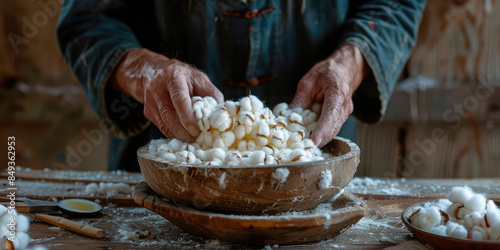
442, 242
315, 225
252, 189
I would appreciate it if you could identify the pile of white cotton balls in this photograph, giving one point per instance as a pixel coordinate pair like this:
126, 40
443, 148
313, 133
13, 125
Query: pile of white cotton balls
465, 215
244, 132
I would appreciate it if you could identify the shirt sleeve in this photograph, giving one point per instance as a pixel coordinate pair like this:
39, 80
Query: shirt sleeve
385, 32
93, 40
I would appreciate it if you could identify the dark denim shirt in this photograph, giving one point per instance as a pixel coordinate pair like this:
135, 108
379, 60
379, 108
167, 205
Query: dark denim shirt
277, 47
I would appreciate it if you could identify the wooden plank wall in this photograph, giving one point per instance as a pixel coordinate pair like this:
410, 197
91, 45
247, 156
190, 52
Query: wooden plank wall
458, 48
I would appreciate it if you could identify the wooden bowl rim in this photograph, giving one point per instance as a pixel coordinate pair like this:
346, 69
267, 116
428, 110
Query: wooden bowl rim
283, 220
142, 152
417, 231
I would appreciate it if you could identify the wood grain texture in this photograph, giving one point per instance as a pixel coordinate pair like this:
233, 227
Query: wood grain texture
252, 190
257, 230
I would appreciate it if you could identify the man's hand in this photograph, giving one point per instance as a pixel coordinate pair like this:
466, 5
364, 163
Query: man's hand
165, 87
332, 82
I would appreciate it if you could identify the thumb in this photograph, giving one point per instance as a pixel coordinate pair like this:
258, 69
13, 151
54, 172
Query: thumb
304, 96
202, 86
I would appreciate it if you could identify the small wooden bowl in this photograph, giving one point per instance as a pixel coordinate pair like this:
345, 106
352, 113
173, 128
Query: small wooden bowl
305, 227
442, 242
252, 189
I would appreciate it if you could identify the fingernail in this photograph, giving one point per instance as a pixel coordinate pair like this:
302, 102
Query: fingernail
193, 130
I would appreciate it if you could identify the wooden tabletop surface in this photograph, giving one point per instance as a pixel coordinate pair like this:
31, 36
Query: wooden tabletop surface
381, 228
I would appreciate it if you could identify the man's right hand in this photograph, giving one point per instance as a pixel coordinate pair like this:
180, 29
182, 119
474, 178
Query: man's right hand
165, 87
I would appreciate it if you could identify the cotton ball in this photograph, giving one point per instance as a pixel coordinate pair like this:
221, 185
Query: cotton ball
453, 209
478, 233
277, 138
197, 102
164, 148
316, 108
167, 156
270, 150
308, 144
175, 145
456, 230
23, 223
280, 107
284, 155
473, 219
439, 230
185, 157
204, 124
295, 122
462, 212
251, 145
231, 108
298, 110
202, 113
491, 217
239, 131
246, 118
234, 156
22, 240
257, 105
214, 162
92, 188
495, 232
269, 159
200, 140
297, 145
219, 154
298, 155
460, 194
209, 101
263, 128
254, 132
245, 105
218, 143
220, 119
122, 188
476, 203
209, 139
257, 157
281, 122
312, 126
295, 137
310, 118
242, 146
427, 218
228, 138
281, 174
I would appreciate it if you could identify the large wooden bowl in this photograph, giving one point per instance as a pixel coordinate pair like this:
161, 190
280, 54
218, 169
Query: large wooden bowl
252, 189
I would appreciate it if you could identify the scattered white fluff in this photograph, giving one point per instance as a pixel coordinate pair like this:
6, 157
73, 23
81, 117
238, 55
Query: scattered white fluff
127, 235
326, 180
281, 174
273, 137
469, 216
222, 181
109, 188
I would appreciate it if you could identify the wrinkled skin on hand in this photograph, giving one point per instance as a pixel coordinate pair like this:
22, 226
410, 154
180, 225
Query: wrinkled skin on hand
165, 87
332, 82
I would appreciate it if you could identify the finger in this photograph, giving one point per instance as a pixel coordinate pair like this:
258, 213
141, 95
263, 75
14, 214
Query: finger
331, 115
179, 95
152, 112
170, 118
304, 95
202, 86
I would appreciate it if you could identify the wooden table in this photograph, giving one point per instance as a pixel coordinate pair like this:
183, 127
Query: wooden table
381, 228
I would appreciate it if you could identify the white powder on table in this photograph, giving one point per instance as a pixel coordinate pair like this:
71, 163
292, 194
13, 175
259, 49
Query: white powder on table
326, 180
